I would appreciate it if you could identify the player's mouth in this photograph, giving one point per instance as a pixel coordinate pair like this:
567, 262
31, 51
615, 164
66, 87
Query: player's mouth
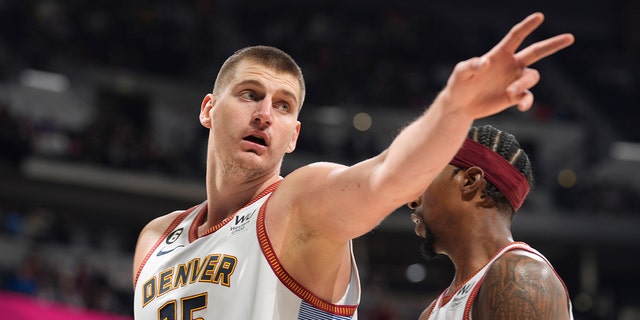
257, 139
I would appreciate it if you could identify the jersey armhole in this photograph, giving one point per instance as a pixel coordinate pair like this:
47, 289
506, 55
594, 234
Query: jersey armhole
166, 232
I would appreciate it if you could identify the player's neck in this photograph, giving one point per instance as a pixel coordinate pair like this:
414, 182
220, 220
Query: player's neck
226, 196
469, 258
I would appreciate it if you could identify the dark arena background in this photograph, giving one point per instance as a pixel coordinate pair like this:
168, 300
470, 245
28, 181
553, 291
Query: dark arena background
99, 134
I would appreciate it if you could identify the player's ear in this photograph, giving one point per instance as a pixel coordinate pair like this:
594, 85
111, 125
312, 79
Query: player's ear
205, 110
474, 186
294, 138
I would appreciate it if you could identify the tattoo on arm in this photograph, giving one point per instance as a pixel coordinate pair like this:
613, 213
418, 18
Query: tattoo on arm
521, 286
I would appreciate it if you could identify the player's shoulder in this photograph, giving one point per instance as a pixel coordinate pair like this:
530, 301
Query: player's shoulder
523, 260
427, 311
316, 168
525, 282
149, 236
528, 269
308, 177
161, 223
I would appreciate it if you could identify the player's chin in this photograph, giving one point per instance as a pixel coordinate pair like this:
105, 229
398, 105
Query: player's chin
427, 250
255, 151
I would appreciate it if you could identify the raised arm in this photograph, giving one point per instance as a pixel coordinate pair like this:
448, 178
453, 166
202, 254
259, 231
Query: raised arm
342, 203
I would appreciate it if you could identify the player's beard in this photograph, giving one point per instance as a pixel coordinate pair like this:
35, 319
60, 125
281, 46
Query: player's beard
427, 248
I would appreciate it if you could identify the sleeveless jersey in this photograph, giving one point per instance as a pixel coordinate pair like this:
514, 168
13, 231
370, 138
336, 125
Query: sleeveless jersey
231, 272
460, 304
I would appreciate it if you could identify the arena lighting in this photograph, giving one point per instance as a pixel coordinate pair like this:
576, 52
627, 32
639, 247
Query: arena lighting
44, 80
362, 121
628, 151
567, 178
416, 272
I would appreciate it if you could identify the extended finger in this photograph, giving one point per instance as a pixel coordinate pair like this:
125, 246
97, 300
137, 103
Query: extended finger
519, 32
527, 80
541, 49
526, 101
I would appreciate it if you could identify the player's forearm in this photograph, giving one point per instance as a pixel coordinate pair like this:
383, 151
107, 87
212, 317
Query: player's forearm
425, 147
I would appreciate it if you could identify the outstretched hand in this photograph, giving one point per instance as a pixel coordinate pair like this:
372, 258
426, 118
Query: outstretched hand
501, 78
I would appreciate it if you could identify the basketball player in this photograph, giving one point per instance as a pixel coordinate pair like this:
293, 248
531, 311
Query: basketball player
266, 247
466, 214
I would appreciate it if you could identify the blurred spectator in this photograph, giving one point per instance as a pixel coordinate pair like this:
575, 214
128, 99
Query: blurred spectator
66, 279
14, 145
26, 278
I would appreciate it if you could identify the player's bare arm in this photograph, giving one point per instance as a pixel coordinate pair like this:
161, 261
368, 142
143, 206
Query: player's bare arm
521, 285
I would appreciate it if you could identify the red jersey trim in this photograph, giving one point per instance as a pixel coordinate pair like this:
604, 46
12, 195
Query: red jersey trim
166, 232
432, 307
466, 315
193, 230
287, 279
447, 298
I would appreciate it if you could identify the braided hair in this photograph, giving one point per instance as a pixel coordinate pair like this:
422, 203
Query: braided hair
506, 145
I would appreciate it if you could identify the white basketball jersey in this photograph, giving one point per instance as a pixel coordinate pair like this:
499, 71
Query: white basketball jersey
460, 304
231, 272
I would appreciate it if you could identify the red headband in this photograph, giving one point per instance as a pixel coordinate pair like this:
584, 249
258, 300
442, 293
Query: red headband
511, 182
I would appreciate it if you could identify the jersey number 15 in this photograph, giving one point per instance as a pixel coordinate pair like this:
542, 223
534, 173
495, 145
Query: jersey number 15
168, 311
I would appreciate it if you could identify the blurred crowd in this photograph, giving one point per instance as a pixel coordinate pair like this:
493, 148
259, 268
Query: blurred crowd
189, 39
114, 142
55, 259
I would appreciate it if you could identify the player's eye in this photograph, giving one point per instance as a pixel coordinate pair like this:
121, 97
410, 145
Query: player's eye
282, 107
249, 95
